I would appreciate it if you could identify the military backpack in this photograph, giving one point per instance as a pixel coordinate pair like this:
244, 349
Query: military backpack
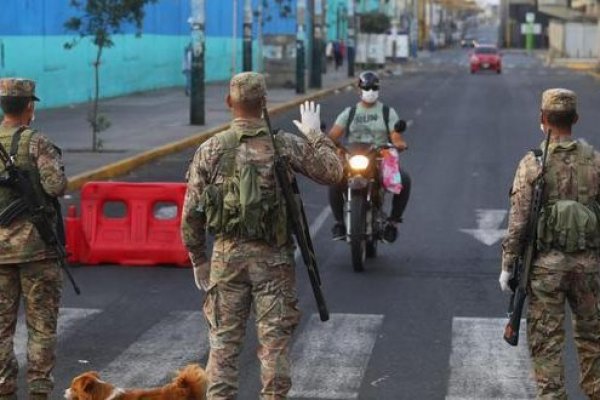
570, 219
238, 204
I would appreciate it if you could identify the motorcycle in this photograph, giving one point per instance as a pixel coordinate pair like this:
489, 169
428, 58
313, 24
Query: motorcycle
364, 199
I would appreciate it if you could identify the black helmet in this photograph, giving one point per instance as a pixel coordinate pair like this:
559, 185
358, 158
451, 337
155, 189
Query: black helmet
368, 80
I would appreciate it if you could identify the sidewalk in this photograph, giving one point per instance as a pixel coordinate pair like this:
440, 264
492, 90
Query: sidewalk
148, 125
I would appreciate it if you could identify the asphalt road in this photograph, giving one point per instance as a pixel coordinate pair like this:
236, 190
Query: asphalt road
424, 320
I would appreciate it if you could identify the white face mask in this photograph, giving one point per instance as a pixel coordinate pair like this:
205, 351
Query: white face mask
369, 96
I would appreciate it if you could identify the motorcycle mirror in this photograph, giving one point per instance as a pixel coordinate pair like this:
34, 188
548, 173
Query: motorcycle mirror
400, 126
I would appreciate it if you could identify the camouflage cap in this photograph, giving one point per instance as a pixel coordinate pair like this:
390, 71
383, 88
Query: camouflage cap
17, 87
247, 86
559, 100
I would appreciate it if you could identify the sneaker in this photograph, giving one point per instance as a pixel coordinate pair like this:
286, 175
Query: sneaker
338, 231
390, 232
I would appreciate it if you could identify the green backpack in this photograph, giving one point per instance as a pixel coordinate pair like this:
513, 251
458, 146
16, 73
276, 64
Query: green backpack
570, 224
238, 207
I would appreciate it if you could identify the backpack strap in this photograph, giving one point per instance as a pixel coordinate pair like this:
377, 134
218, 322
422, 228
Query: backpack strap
351, 115
585, 159
386, 118
229, 141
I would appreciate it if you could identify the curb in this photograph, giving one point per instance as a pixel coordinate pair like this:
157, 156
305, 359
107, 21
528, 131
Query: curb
125, 165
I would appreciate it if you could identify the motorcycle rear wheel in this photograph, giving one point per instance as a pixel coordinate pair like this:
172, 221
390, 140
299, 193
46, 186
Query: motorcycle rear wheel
358, 242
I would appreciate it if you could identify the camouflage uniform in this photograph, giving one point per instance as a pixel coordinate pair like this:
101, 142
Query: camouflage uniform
250, 273
558, 276
27, 266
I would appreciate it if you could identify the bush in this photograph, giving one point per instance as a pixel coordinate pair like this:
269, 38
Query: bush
374, 22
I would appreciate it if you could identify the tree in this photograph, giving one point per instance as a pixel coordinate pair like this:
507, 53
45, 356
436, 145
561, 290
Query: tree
374, 22
100, 20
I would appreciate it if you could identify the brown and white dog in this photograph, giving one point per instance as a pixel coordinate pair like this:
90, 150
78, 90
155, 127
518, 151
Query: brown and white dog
189, 384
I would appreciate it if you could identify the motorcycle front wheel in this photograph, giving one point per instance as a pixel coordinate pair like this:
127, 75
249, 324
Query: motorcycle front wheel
358, 241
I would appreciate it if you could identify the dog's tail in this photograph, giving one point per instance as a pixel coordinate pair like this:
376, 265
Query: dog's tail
192, 378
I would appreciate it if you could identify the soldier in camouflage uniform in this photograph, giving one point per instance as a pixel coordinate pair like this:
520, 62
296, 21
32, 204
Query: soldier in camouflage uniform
232, 193
566, 267
27, 266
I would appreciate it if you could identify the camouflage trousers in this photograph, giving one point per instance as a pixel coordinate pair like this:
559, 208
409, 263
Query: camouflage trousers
236, 287
545, 329
40, 285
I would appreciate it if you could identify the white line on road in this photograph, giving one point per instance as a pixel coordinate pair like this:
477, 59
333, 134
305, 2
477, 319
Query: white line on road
330, 359
316, 226
483, 366
409, 123
67, 319
177, 340
418, 112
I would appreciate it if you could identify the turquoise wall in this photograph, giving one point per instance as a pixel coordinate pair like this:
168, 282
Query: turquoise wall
133, 64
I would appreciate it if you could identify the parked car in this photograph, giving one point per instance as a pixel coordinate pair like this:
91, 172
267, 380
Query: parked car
485, 57
468, 42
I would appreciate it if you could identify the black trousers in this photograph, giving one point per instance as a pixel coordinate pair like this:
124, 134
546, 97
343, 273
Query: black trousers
399, 201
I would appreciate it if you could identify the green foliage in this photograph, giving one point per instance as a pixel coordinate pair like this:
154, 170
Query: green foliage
283, 7
100, 19
374, 22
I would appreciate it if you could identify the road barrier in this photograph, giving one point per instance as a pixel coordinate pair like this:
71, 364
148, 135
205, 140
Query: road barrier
128, 224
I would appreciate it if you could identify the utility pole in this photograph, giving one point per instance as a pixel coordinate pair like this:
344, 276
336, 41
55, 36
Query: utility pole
351, 38
247, 66
300, 52
234, 38
324, 41
197, 79
259, 34
414, 29
317, 47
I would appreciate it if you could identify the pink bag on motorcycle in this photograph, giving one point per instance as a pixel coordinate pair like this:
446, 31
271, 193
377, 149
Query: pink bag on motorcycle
390, 171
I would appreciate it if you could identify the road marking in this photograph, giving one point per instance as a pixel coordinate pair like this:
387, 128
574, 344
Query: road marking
330, 359
409, 123
178, 339
418, 112
488, 222
483, 366
67, 319
315, 227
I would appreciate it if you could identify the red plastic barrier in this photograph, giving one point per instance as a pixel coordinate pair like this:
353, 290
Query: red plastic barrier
136, 236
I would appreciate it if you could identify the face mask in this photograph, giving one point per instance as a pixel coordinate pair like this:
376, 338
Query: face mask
369, 96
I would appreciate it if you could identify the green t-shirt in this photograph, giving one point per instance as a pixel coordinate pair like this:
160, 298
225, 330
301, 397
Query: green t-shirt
368, 125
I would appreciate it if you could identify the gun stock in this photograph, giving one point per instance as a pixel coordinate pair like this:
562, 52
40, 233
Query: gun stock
522, 268
300, 228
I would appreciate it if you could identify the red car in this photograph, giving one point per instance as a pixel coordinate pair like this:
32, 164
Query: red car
485, 58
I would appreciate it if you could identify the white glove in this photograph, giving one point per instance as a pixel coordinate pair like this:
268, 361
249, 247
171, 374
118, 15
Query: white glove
504, 278
202, 275
310, 120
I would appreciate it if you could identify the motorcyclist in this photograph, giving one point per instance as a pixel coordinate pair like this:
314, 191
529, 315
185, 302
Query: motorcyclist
369, 121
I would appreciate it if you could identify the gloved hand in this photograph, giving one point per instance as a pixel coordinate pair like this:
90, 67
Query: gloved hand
504, 278
202, 275
310, 120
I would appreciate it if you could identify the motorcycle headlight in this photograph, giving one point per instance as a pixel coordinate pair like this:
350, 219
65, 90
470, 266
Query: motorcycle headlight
358, 162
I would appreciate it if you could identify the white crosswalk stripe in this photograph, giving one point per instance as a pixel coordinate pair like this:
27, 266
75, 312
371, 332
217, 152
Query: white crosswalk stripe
177, 340
483, 366
329, 359
67, 319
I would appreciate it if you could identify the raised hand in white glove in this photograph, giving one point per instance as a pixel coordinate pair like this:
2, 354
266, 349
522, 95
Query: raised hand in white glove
504, 278
310, 120
202, 275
